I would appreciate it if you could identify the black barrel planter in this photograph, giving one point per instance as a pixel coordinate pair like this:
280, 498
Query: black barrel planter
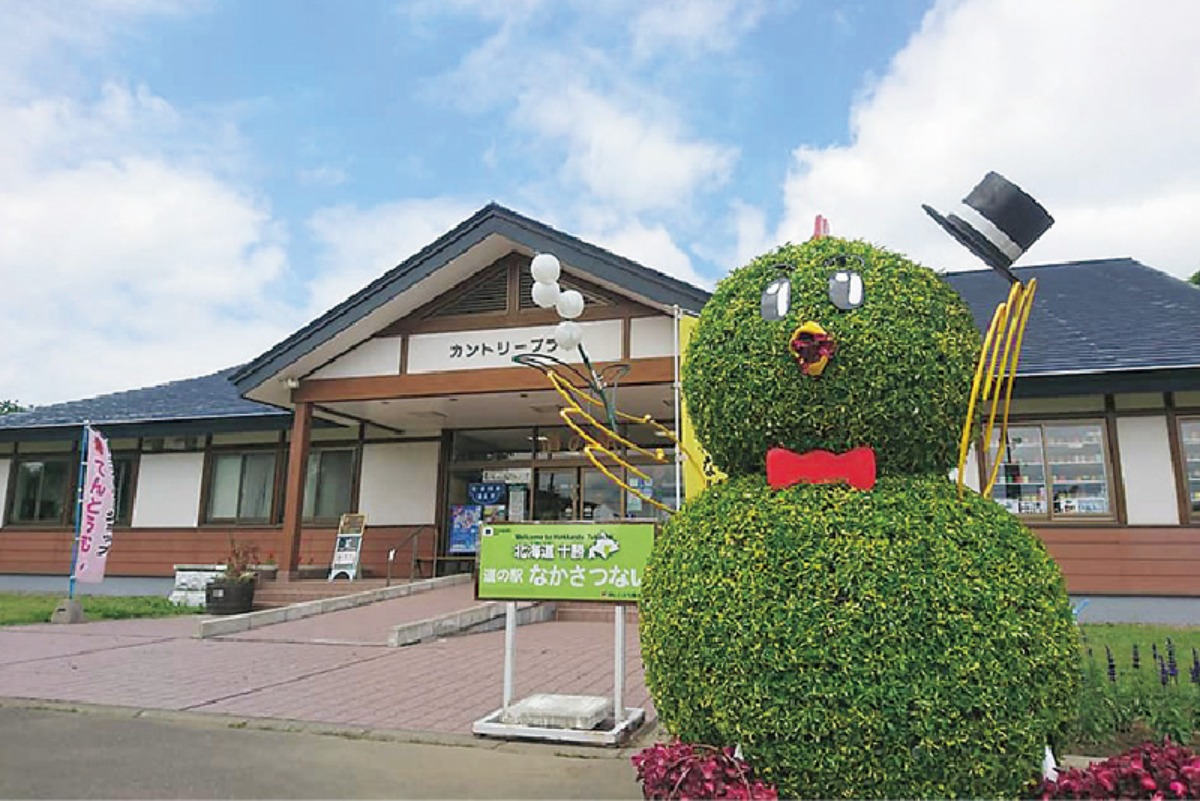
228, 597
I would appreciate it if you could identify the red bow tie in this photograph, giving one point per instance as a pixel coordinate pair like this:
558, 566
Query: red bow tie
856, 467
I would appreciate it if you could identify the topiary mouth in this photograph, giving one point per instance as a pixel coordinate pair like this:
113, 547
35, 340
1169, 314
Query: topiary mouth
812, 347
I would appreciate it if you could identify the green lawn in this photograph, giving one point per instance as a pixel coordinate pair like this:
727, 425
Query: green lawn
17, 608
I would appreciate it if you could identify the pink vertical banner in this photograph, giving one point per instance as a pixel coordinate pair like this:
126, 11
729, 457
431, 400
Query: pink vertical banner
97, 511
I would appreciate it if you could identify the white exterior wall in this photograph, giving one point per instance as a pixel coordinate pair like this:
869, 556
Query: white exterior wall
168, 490
970, 471
4, 465
1150, 496
374, 357
651, 336
399, 483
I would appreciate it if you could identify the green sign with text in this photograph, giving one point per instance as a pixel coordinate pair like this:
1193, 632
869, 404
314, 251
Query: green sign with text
563, 561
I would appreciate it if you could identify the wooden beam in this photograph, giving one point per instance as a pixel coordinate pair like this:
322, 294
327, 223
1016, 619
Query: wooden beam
657, 370
293, 497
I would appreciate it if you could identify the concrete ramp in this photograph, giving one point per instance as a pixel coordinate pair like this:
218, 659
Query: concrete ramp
394, 616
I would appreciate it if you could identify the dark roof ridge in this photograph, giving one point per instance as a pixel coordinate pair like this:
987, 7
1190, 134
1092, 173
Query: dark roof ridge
1051, 265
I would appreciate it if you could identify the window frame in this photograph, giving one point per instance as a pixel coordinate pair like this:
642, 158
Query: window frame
1189, 516
355, 465
66, 519
1108, 460
211, 456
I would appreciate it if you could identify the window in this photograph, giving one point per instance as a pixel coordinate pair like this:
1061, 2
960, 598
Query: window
1054, 470
1189, 438
660, 485
242, 487
327, 483
44, 492
123, 473
556, 494
42, 489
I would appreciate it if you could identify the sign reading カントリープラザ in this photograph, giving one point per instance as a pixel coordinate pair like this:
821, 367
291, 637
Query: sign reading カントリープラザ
564, 561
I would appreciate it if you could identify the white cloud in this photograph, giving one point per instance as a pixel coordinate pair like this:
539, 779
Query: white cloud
1090, 108
580, 105
697, 26
325, 175
128, 272
359, 245
126, 259
631, 160
651, 246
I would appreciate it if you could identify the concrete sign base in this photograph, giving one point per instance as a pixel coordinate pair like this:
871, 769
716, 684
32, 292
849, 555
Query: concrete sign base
605, 732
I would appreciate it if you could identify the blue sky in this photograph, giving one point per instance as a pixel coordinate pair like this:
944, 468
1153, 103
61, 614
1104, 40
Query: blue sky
220, 172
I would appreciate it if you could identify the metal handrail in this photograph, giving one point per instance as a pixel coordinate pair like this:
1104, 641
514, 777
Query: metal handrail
410, 540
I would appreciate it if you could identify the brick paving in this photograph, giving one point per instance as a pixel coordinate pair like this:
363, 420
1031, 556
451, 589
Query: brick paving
441, 686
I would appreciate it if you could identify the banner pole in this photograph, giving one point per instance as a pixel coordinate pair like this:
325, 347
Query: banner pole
83, 450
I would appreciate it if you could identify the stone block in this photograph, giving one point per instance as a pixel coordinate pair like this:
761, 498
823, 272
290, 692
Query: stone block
550, 711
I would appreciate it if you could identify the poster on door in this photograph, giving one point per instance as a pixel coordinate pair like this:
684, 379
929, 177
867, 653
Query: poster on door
464, 528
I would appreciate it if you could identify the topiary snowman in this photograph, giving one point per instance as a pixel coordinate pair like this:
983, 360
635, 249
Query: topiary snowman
844, 615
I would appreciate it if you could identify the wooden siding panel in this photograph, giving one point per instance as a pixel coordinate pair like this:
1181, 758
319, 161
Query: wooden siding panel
1117, 560
1098, 561
144, 552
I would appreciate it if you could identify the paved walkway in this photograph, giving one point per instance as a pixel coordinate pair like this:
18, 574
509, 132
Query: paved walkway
440, 687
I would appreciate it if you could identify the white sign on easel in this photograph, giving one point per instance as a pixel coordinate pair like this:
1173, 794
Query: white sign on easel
347, 548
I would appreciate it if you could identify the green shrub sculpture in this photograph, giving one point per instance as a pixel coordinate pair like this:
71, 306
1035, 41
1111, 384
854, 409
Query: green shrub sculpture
899, 381
900, 642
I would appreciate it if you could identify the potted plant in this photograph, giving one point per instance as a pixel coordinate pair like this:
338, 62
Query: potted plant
233, 592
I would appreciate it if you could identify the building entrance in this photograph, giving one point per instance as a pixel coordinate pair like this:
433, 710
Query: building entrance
541, 473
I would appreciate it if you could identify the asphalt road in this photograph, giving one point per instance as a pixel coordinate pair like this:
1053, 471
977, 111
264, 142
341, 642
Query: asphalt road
55, 753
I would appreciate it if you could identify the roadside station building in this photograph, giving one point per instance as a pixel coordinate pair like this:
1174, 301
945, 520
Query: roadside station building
396, 401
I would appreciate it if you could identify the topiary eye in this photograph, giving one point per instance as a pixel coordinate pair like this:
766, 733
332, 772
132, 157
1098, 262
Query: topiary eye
845, 286
846, 290
776, 300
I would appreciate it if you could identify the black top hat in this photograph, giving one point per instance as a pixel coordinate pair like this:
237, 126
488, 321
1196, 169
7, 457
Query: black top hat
1006, 222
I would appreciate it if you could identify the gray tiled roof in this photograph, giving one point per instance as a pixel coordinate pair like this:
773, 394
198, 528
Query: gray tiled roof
1096, 316
208, 397
1088, 317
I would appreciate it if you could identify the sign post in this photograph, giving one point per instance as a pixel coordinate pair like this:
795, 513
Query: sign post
598, 562
347, 548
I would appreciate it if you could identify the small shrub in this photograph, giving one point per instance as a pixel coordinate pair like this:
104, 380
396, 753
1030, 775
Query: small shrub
682, 770
1146, 771
242, 557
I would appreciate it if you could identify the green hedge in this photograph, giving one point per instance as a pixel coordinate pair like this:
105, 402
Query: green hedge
899, 381
898, 643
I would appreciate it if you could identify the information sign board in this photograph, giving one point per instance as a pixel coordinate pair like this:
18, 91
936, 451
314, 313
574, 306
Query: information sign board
563, 561
347, 548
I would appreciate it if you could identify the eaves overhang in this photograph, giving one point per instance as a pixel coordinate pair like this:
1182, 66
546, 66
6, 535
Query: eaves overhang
493, 221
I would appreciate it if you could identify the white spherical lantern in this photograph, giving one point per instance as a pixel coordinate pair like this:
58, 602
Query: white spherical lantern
545, 268
545, 295
568, 335
570, 304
